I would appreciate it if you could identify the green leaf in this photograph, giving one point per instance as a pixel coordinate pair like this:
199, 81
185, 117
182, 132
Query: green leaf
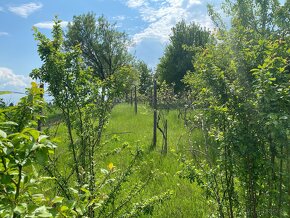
34, 171
74, 190
3, 134
42, 137
284, 118
45, 178
79, 210
57, 199
9, 123
33, 132
104, 171
39, 198
63, 208
42, 212
6, 179
35, 146
18, 136
20, 209
86, 191
41, 156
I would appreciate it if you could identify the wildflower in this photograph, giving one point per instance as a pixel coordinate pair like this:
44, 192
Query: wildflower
111, 166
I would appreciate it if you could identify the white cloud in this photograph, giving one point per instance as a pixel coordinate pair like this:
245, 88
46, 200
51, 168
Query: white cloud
26, 9
9, 81
162, 15
119, 18
136, 3
4, 34
12, 82
1, 9
49, 24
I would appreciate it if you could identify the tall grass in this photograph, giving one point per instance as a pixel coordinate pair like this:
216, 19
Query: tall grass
188, 200
124, 127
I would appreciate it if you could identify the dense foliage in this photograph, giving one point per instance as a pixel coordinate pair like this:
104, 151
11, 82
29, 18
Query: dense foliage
241, 102
23, 150
104, 48
177, 58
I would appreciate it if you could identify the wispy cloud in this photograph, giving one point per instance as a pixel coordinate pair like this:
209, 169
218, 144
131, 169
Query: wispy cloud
25, 10
162, 15
4, 34
11, 81
119, 18
1, 9
49, 24
136, 3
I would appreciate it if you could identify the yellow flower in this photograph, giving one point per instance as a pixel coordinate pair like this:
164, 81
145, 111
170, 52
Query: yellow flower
111, 166
34, 85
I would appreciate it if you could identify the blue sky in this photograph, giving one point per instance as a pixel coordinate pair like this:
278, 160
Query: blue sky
147, 22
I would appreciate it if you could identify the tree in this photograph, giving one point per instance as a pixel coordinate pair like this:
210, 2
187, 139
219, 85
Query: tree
104, 49
124, 80
85, 101
146, 79
177, 59
72, 86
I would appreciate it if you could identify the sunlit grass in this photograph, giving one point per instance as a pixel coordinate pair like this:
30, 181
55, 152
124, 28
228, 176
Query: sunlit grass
188, 200
124, 126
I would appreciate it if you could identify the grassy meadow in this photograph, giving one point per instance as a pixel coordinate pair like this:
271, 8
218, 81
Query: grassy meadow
124, 133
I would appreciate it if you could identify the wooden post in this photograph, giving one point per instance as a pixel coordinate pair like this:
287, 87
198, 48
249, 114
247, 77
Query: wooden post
166, 138
126, 97
154, 114
41, 86
131, 97
151, 97
135, 99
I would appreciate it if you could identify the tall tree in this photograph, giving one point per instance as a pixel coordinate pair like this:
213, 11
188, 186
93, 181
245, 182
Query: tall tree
103, 47
177, 59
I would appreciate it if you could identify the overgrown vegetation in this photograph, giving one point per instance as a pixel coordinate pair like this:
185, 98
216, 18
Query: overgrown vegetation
241, 103
222, 112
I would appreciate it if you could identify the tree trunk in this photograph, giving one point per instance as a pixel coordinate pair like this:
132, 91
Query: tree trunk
288, 175
39, 123
252, 198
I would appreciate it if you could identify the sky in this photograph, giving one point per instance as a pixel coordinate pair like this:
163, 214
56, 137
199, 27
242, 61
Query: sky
148, 24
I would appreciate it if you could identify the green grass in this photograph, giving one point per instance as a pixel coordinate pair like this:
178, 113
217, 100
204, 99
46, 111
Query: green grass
188, 200
138, 128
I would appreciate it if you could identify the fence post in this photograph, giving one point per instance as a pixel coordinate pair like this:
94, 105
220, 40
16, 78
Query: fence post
154, 114
131, 97
135, 99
